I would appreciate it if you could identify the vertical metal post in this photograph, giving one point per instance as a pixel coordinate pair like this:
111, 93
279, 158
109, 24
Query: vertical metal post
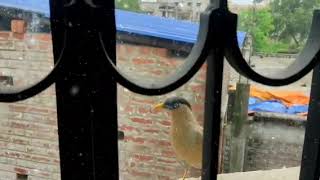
311, 150
86, 97
212, 119
211, 135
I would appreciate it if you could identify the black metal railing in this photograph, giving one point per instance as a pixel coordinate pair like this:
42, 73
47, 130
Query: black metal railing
84, 50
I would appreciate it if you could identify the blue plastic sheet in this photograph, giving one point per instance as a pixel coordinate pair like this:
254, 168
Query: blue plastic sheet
296, 109
275, 106
253, 100
268, 106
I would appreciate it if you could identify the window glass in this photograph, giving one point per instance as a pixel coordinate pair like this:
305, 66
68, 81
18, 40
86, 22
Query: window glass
28, 136
268, 135
26, 49
155, 143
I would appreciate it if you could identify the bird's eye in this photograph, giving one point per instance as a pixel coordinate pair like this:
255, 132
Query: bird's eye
176, 105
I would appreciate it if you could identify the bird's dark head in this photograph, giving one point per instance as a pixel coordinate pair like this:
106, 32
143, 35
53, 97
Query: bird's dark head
173, 103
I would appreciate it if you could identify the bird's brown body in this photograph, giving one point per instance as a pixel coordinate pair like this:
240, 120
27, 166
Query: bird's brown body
187, 136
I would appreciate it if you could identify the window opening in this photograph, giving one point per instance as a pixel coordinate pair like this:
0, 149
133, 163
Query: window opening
22, 177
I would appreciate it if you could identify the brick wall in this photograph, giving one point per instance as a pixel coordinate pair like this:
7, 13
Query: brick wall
28, 129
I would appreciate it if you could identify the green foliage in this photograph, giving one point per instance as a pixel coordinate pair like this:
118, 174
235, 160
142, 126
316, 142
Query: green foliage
260, 25
130, 5
292, 19
282, 27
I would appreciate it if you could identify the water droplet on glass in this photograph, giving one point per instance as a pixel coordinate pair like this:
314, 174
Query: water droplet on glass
74, 90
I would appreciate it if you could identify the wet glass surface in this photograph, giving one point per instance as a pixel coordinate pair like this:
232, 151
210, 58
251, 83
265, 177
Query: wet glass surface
29, 136
159, 143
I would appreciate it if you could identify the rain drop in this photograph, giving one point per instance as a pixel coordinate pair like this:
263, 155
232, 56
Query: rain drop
74, 90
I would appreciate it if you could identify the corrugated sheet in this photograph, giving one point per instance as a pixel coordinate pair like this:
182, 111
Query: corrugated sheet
171, 29
38, 6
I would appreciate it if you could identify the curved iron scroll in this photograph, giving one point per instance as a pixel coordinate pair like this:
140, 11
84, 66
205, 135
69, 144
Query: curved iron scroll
195, 60
304, 63
22, 94
218, 28
224, 23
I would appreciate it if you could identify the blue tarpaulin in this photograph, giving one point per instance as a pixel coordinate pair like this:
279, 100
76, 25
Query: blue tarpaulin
296, 109
256, 105
130, 22
268, 106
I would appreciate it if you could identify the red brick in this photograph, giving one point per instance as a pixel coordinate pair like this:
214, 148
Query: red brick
43, 37
162, 52
167, 153
128, 109
44, 174
164, 178
141, 120
165, 123
204, 66
40, 159
143, 157
144, 100
202, 76
33, 47
20, 141
142, 61
164, 143
138, 140
199, 108
12, 154
121, 50
166, 161
126, 128
151, 130
4, 35
18, 26
157, 72
18, 36
39, 110
19, 125
200, 117
5, 138
17, 108
44, 46
200, 88
20, 170
143, 110
144, 50
130, 49
166, 169
140, 173
163, 62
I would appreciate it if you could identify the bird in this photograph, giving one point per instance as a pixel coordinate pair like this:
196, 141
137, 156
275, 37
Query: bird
186, 133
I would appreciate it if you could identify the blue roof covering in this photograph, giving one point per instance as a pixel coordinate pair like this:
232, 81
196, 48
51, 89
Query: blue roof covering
177, 30
130, 22
39, 6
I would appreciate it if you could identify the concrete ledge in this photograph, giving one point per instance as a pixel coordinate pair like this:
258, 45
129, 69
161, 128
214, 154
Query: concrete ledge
277, 174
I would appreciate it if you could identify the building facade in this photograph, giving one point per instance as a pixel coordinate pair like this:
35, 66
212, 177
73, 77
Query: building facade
177, 9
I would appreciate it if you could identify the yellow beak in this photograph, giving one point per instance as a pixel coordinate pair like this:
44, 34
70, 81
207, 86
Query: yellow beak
158, 107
